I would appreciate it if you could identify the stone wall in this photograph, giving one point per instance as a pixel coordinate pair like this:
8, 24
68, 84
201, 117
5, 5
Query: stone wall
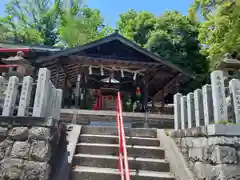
212, 152
30, 147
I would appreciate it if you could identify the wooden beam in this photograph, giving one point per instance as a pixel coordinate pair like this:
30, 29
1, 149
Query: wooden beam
84, 60
167, 86
49, 63
158, 76
153, 105
77, 92
65, 75
56, 82
145, 100
161, 69
162, 100
161, 72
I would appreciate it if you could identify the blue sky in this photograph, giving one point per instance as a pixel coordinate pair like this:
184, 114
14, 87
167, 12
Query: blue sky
110, 9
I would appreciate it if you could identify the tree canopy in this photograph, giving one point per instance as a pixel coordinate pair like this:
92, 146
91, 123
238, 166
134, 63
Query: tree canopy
84, 27
31, 21
219, 32
136, 26
186, 41
172, 36
46, 22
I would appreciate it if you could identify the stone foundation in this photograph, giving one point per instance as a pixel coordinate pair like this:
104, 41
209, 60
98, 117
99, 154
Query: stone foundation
212, 152
30, 147
85, 117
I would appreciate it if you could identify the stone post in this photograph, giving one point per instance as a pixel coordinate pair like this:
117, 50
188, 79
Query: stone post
177, 111
1, 84
59, 103
49, 99
184, 121
207, 104
40, 102
190, 110
198, 104
11, 96
25, 96
219, 97
54, 102
2, 90
234, 87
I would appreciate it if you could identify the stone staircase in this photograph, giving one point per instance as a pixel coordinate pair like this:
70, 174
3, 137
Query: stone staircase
96, 155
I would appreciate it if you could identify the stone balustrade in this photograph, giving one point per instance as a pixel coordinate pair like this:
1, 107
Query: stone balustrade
33, 144
207, 129
47, 99
212, 104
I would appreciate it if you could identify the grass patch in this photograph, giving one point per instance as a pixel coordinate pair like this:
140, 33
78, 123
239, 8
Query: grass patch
225, 122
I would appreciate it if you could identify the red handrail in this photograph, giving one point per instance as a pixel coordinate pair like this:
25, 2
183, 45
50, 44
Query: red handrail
123, 158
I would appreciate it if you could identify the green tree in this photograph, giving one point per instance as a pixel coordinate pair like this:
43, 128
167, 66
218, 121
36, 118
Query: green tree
82, 26
32, 21
136, 25
220, 32
18, 32
4, 33
175, 39
172, 36
46, 22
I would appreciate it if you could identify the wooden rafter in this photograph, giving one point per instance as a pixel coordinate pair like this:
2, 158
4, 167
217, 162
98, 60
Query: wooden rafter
65, 74
156, 76
167, 87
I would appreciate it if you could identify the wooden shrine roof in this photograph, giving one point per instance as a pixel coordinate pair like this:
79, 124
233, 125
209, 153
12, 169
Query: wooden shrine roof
114, 52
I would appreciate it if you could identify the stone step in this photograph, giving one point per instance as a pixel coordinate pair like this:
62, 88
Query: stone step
111, 139
112, 149
131, 132
93, 173
106, 161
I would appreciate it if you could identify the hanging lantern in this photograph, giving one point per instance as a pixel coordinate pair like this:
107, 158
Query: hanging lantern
138, 93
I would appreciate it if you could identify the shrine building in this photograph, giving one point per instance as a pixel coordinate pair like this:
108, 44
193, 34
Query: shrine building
91, 74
